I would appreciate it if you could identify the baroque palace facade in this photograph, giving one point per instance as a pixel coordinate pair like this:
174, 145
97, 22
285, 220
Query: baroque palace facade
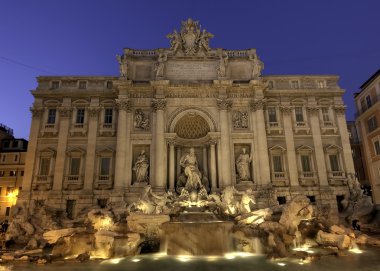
99, 139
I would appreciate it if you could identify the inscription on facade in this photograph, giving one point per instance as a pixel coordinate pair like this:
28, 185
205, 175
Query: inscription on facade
191, 70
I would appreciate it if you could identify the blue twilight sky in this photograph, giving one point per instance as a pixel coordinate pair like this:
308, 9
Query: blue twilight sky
82, 37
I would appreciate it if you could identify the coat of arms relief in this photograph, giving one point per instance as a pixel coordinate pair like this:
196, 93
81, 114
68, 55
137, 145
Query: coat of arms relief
191, 40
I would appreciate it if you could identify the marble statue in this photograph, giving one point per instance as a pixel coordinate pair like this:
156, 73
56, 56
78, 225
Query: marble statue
204, 40
141, 168
141, 120
160, 65
222, 68
243, 165
258, 66
175, 41
123, 65
190, 165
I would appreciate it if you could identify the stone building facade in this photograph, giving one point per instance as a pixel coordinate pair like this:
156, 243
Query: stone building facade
367, 120
97, 139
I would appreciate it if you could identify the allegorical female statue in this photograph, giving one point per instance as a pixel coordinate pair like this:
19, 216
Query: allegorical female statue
242, 165
141, 168
190, 164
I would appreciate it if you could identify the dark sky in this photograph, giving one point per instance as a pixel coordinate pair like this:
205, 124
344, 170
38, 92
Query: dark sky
82, 37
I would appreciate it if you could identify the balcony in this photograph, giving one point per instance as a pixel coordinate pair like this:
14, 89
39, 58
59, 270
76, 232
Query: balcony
301, 126
279, 179
42, 182
78, 129
49, 128
274, 127
103, 182
107, 129
307, 178
73, 182
328, 127
337, 178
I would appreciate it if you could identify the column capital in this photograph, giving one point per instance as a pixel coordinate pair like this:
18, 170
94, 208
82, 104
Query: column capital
65, 111
124, 104
158, 104
286, 109
93, 111
313, 109
224, 104
36, 112
257, 105
339, 109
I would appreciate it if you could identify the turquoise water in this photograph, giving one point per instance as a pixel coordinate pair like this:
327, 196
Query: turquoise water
369, 260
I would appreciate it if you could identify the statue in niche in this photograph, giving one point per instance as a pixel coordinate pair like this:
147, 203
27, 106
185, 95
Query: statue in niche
141, 168
160, 65
223, 61
141, 120
190, 165
243, 165
258, 66
240, 119
123, 65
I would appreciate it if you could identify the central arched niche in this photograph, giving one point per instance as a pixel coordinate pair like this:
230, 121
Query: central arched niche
191, 126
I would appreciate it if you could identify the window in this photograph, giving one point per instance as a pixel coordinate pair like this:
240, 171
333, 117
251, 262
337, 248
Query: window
277, 163
14, 144
82, 84
70, 208
55, 84
12, 173
16, 158
334, 162
321, 84
272, 116
306, 163
7, 211
294, 84
109, 85
10, 190
22, 173
105, 163
75, 166
270, 84
0, 190
299, 114
6, 144
108, 112
44, 166
2, 173
80, 116
377, 147
102, 203
311, 198
325, 114
372, 124
368, 100
3, 158
281, 200
51, 115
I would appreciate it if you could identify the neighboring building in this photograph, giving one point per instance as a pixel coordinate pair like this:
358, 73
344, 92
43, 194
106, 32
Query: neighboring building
5, 132
95, 139
12, 163
357, 153
367, 121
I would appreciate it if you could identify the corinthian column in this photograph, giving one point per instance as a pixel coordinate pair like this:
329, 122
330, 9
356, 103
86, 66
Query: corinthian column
89, 171
290, 149
159, 181
262, 145
224, 106
122, 142
343, 131
64, 123
213, 166
171, 166
318, 146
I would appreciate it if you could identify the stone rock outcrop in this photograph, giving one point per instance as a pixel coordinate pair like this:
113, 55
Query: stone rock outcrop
340, 241
148, 225
298, 209
53, 236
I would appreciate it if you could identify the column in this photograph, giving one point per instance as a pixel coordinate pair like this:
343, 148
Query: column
160, 146
289, 141
226, 178
258, 114
64, 124
128, 152
90, 170
213, 166
171, 166
318, 146
30, 161
343, 132
179, 155
205, 167
123, 105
